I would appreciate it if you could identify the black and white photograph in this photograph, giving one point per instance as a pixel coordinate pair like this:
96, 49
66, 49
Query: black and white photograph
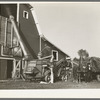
49, 46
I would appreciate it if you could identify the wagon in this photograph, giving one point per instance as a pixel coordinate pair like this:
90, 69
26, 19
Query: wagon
95, 63
94, 72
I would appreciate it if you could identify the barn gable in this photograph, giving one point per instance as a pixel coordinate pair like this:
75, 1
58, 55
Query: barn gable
33, 36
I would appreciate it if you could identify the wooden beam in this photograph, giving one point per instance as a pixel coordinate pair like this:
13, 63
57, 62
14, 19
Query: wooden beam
6, 58
16, 69
5, 43
11, 35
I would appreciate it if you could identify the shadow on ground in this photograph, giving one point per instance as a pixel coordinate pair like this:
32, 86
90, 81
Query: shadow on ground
19, 84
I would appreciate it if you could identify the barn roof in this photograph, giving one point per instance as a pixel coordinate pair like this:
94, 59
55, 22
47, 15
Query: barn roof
54, 45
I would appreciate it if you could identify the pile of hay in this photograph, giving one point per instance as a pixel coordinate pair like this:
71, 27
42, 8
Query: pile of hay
95, 62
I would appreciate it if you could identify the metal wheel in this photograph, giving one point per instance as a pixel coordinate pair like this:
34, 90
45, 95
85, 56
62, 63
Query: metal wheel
98, 77
64, 77
48, 78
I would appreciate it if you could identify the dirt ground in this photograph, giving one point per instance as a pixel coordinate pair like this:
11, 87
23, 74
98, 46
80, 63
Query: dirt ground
19, 84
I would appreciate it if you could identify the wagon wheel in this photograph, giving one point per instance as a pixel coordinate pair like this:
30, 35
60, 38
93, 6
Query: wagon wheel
26, 77
64, 77
48, 78
98, 77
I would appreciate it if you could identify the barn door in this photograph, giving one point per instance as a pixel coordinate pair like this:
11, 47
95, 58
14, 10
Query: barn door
6, 67
3, 69
9, 68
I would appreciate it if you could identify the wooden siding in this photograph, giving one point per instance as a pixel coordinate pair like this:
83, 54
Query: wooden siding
31, 35
52, 47
8, 9
6, 67
0, 49
2, 29
8, 38
3, 69
29, 31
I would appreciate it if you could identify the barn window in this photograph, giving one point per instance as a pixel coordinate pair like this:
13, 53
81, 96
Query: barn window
55, 55
25, 14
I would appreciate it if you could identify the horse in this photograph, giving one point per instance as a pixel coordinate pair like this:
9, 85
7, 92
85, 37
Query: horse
85, 73
82, 73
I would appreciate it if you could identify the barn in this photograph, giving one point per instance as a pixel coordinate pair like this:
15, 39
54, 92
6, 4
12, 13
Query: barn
21, 39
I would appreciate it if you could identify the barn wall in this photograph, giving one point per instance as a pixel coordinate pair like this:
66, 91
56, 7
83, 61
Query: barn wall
61, 55
29, 31
3, 69
52, 47
9, 68
0, 49
6, 68
8, 9
31, 35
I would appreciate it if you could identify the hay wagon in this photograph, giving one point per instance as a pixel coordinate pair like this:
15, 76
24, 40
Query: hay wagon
93, 62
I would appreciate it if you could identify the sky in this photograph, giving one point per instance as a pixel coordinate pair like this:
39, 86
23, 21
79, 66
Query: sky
71, 26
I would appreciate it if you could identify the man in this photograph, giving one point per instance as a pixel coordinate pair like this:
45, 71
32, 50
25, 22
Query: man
89, 72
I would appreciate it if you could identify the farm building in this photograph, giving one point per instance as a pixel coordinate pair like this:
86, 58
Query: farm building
21, 40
